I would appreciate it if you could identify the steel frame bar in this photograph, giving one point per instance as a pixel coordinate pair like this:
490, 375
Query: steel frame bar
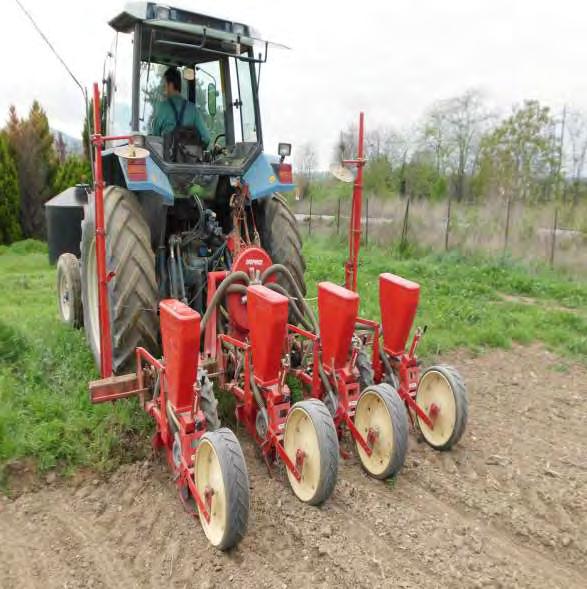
352, 265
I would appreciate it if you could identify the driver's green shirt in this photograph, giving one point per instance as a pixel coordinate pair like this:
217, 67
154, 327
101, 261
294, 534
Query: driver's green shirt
164, 119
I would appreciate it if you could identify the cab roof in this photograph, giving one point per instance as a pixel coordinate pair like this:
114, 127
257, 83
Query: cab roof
176, 19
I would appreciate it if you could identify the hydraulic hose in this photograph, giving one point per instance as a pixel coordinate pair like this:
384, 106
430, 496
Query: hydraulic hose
292, 304
298, 293
230, 280
257, 393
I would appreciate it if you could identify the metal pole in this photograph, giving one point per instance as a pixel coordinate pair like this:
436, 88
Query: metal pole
338, 216
367, 221
104, 312
554, 230
310, 219
507, 225
404, 239
136, 80
351, 267
448, 213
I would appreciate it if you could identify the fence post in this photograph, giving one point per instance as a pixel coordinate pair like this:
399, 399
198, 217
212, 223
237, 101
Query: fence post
507, 225
554, 230
404, 239
448, 214
367, 221
338, 217
310, 217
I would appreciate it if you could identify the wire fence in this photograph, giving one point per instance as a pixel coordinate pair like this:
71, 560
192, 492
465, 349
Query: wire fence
554, 233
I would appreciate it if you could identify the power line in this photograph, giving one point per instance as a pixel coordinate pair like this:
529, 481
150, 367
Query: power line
43, 36
77, 82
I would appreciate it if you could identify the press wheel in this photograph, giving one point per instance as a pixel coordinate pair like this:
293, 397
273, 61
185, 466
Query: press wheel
221, 477
442, 395
310, 433
381, 419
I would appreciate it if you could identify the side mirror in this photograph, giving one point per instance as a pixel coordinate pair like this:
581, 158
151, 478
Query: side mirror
212, 99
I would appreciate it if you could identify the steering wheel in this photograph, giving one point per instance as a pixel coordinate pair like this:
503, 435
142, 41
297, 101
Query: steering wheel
216, 149
218, 137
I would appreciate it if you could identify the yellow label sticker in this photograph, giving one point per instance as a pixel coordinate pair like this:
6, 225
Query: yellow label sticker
272, 179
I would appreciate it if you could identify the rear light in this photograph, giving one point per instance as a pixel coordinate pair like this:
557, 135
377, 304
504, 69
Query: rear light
285, 174
137, 170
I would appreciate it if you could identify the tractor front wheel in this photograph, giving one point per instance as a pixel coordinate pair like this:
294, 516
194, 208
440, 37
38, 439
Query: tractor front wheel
69, 290
132, 289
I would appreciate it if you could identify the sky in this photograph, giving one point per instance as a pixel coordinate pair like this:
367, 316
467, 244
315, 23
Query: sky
391, 59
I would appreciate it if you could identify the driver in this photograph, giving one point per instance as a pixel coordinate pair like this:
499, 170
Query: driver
176, 111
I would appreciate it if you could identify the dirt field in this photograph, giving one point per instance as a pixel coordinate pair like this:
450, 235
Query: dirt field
507, 507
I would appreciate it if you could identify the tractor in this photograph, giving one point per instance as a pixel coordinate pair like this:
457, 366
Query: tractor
184, 265
144, 254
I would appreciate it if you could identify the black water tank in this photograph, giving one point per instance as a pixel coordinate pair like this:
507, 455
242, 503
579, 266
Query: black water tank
64, 214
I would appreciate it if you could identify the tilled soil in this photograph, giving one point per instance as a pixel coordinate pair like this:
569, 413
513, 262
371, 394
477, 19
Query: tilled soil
507, 507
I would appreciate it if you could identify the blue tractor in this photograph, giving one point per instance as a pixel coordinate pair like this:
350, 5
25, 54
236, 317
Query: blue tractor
178, 205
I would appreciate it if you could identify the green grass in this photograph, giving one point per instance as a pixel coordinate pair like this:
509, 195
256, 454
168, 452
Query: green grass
45, 413
462, 298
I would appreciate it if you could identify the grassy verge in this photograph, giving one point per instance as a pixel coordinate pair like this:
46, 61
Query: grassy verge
471, 302
45, 413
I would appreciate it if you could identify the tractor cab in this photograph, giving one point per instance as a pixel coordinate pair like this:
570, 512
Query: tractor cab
220, 63
185, 202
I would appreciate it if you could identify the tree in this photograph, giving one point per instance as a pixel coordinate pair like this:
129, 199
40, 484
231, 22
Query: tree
518, 156
60, 147
9, 195
452, 130
74, 170
306, 162
346, 147
31, 144
435, 136
576, 131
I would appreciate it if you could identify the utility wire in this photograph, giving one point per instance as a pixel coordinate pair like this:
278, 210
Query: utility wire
38, 29
77, 82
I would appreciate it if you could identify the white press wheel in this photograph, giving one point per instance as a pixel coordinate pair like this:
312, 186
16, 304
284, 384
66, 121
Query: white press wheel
69, 290
220, 471
381, 418
309, 430
441, 390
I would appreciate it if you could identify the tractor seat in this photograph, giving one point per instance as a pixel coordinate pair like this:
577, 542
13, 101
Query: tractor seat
183, 145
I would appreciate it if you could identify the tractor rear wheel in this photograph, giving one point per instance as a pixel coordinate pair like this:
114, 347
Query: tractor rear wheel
132, 291
281, 238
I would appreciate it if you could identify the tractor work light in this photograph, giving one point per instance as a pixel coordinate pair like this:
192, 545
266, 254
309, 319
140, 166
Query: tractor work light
284, 149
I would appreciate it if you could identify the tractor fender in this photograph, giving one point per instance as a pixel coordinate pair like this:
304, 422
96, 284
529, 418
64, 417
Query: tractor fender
262, 178
116, 173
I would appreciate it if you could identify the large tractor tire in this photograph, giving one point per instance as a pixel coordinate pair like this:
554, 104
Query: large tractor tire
281, 238
132, 291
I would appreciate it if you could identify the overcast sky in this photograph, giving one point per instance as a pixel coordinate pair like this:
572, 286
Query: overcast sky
390, 58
